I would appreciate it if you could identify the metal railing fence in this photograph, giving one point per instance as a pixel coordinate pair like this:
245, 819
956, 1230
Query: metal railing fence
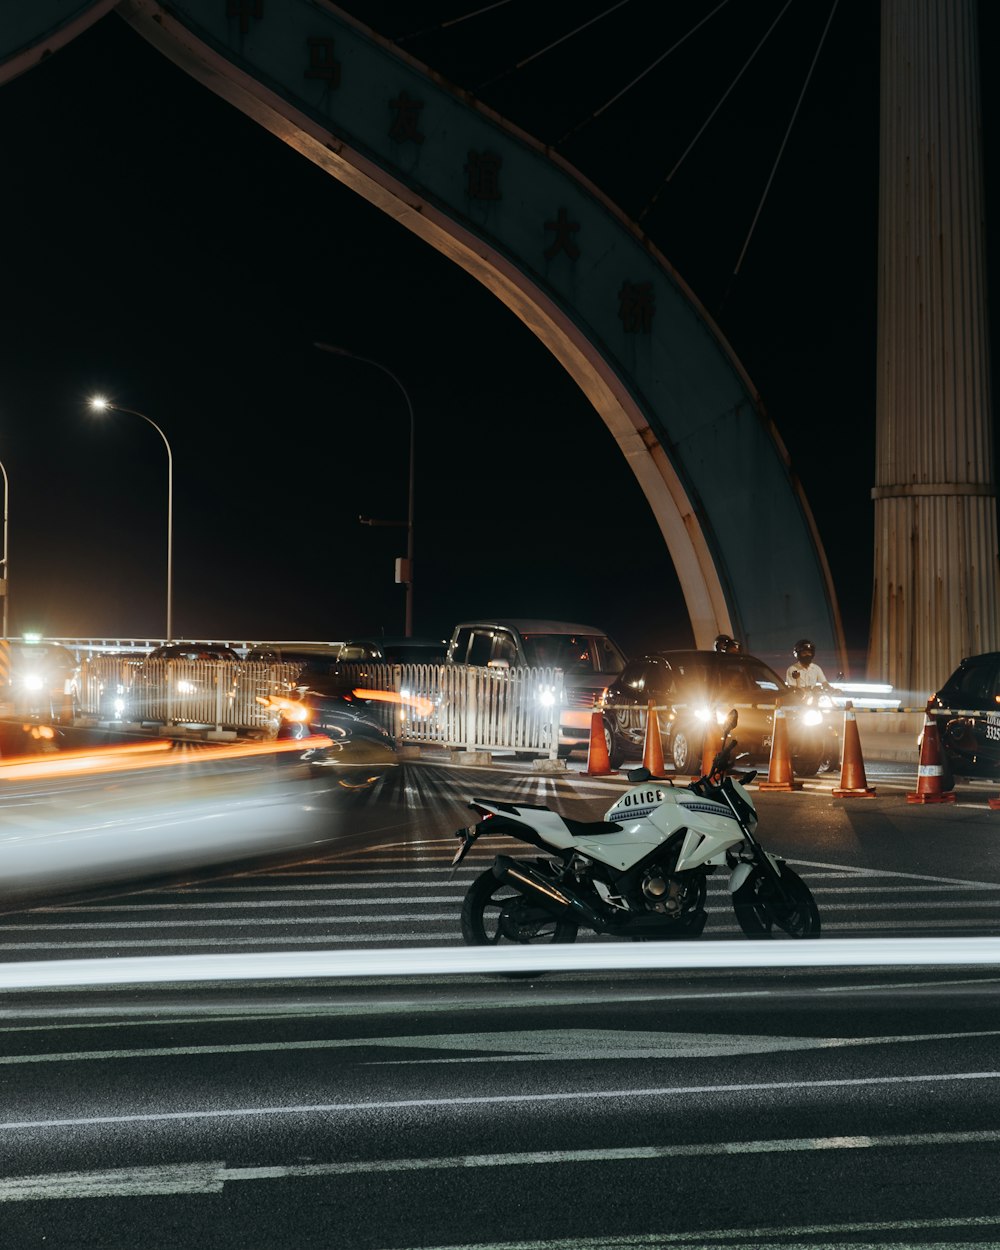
476, 709
225, 694
446, 705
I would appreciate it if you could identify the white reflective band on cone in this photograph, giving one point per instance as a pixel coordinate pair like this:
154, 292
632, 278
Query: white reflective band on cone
930, 770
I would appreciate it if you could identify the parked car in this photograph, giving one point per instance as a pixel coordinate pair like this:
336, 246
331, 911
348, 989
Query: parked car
394, 651
179, 682
43, 679
966, 711
316, 660
589, 659
694, 690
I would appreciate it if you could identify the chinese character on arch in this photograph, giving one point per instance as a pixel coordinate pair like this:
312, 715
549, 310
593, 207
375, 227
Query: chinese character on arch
406, 116
636, 306
245, 10
322, 63
563, 242
483, 174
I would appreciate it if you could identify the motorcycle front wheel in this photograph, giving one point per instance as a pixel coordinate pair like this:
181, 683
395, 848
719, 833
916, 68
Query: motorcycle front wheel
762, 913
493, 912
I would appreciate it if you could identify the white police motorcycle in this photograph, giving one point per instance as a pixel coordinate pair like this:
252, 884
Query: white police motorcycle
641, 873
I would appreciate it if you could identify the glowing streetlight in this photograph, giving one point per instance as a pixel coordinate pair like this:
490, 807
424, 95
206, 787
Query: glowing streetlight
342, 351
100, 404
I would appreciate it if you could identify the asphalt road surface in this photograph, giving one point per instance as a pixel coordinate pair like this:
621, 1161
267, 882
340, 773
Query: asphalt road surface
850, 1108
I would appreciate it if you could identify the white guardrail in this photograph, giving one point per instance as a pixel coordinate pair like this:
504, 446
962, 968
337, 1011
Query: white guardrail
447, 705
458, 706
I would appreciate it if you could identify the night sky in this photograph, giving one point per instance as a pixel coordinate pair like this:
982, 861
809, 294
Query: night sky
163, 250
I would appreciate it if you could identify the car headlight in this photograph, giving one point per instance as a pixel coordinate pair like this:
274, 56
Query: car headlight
288, 709
32, 681
185, 687
703, 713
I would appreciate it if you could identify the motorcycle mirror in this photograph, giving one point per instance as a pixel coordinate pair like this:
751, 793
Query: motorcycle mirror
638, 775
732, 720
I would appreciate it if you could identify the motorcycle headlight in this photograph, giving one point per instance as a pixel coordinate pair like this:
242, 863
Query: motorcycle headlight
546, 698
185, 687
32, 681
812, 717
703, 713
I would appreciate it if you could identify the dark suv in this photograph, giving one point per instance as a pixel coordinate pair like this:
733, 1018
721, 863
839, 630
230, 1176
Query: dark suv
967, 712
692, 692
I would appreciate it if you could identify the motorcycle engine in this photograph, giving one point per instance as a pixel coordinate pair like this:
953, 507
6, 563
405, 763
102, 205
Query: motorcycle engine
661, 892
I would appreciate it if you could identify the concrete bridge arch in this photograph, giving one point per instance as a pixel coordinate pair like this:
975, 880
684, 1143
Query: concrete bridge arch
540, 237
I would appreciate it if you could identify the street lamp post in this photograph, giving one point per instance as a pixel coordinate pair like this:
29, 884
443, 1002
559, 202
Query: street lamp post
5, 564
341, 351
99, 404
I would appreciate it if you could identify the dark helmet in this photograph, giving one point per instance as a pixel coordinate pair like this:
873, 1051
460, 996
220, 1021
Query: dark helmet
804, 650
726, 643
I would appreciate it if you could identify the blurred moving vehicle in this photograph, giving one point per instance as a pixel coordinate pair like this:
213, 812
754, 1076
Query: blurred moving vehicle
588, 657
361, 751
693, 690
966, 711
43, 679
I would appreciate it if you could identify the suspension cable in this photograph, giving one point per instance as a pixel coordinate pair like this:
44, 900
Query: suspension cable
597, 112
452, 21
784, 141
562, 39
650, 203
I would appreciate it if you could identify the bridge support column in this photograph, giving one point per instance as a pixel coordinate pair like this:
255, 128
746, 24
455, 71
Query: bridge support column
936, 585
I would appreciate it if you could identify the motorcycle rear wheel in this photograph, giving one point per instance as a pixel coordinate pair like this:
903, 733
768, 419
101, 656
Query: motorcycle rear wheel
493, 913
761, 913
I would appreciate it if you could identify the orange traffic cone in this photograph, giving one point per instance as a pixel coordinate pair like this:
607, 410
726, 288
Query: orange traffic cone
853, 782
779, 769
652, 748
930, 770
598, 763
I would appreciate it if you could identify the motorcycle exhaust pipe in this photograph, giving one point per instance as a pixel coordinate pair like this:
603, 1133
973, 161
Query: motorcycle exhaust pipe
553, 896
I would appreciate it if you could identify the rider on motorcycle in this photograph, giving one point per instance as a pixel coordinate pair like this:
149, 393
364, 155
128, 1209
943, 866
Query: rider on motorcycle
804, 674
727, 645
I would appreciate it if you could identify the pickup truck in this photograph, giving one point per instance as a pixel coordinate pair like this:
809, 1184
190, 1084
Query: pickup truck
589, 659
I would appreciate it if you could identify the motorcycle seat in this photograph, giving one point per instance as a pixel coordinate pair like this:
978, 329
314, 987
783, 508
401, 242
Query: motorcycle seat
591, 828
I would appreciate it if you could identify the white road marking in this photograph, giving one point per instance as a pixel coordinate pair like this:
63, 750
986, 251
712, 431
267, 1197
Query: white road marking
562, 1045
458, 888
883, 872
713, 1238
92, 926
210, 1178
133, 943
493, 1100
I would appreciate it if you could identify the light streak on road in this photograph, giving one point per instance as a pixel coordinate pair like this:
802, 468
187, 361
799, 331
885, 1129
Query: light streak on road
153, 754
436, 961
420, 705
